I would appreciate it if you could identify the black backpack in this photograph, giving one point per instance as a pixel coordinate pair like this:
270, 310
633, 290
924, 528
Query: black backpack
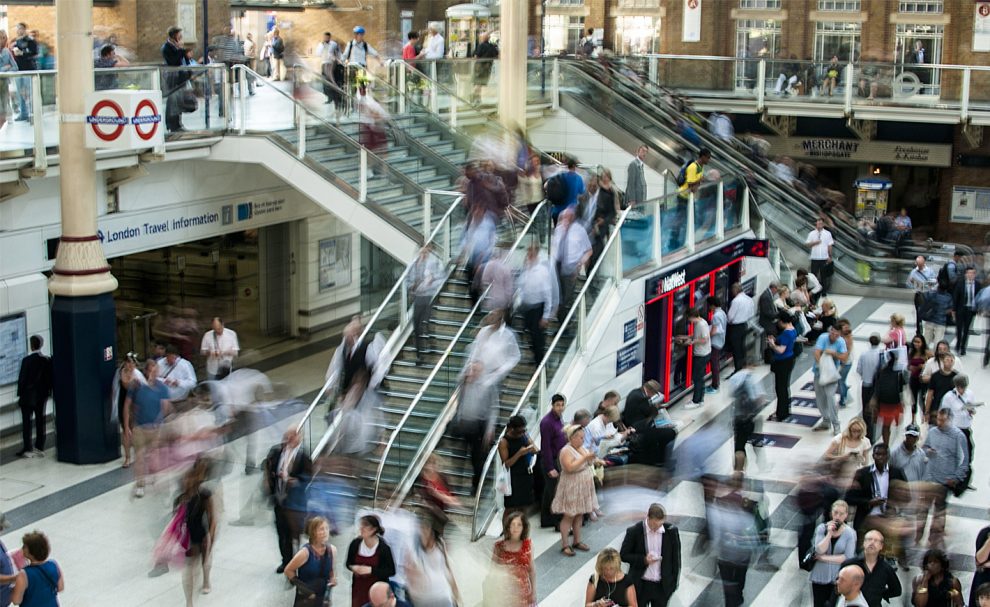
888, 384
556, 189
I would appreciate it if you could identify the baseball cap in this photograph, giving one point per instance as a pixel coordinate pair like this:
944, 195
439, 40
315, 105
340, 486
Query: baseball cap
912, 430
358, 29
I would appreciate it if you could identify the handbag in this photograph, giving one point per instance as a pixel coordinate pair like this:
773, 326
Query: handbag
900, 353
173, 543
828, 373
187, 101
808, 560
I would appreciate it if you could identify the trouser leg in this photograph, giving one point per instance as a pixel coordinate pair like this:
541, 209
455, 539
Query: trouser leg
284, 530
825, 399
782, 386
547, 517
40, 423
716, 360
869, 413
531, 320
698, 364
422, 310
26, 412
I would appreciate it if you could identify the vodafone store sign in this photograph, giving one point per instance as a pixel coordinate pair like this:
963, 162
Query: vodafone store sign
124, 119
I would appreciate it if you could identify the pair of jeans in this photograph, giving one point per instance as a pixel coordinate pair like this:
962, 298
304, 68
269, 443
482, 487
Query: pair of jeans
782, 386
716, 361
698, 365
825, 399
843, 386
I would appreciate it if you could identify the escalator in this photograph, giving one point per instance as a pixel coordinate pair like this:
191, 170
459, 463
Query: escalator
627, 112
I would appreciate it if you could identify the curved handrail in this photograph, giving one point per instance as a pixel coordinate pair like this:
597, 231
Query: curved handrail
746, 163
426, 384
575, 306
399, 283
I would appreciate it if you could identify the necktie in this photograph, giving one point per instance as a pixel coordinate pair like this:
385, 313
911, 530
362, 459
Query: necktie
969, 295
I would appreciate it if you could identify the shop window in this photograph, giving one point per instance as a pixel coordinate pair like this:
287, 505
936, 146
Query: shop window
639, 3
759, 4
837, 39
562, 33
927, 6
637, 34
755, 39
840, 5
917, 46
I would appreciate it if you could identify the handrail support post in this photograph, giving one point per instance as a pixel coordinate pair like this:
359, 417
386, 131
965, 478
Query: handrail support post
363, 177
720, 212
690, 223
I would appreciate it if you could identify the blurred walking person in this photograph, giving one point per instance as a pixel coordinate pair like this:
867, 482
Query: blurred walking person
201, 525
429, 578
947, 466
286, 469
125, 379
571, 250
536, 293
146, 406
424, 281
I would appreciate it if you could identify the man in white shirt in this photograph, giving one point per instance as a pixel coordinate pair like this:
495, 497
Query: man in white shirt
424, 280
653, 550
329, 53
535, 292
571, 250
177, 373
434, 44
220, 348
741, 310
700, 340
820, 242
720, 125
357, 51
960, 402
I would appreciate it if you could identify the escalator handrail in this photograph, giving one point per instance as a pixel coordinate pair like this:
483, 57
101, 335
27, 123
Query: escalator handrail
406, 483
577, 302
394, 173
766, 181
450, 168
399, 283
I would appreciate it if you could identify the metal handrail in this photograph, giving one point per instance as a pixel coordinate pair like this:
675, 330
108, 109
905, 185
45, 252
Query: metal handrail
333, 128
403, 485
381, 308
575, 306
952, 66
745, 162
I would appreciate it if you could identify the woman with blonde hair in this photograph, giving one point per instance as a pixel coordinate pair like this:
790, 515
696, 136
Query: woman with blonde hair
835, 542
849, 451
896, 337
609, 586
575, 494
311, 570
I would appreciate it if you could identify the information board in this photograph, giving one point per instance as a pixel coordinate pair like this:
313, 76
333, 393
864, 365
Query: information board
970, 204
13, 346
626, 358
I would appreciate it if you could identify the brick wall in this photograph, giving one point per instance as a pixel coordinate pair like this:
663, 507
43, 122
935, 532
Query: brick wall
957, 175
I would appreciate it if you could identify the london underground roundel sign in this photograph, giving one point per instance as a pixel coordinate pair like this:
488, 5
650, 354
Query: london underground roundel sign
107, 120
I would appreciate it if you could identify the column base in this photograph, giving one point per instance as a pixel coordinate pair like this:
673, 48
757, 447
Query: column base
84, 361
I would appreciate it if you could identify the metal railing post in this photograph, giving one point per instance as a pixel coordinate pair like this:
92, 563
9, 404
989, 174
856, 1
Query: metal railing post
434, 97
582, 320
555, 85
964, 96
720, 212
403, 306
228, 91
446, 242
849, 90
363, 176
761, 85
776, 262
433, 71
541, 391
242, 77
401, 68
654, 70
301, 144
38, 110
156, 85
745, 208
453, 111
619, 270
690, 223
427, 203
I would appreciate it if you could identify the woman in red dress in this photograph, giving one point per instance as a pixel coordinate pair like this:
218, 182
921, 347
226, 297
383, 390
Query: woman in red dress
369, 558
514, 552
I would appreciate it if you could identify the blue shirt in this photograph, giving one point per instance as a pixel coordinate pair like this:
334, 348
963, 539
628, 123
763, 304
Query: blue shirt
823, 344
148, 403
575, 187
786, 339
42, 585
6, 568
719, 325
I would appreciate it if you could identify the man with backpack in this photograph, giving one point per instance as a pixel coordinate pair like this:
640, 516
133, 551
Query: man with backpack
563, 189
691, 173
586, 45
356, 54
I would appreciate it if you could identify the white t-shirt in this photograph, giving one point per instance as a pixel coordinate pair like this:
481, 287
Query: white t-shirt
434, 47
957, 404
217, 348
820, 250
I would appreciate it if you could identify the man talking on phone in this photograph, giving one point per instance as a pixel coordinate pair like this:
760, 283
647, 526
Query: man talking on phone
653, 550
947, 466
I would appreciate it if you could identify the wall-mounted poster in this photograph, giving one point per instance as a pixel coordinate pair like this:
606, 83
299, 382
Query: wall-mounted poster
335, 262
13, 346
185, 17
692, 21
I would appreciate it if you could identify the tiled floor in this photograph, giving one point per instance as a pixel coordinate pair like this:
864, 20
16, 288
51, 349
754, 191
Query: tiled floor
103, 538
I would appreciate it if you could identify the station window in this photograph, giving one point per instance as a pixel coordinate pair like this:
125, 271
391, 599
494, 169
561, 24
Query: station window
925, 6
639, 3
840, 5
637, 34
759, 4
841, 39
919, 45
562, 32
755, 39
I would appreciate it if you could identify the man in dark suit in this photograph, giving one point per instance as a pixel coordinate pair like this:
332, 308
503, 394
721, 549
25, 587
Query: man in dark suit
964, 296
871, 490
34, 387
287, 468
768, 309
642, 403
653, 550
636, 178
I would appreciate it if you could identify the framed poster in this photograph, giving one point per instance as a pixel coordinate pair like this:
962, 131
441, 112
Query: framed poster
185, 17
335, 262
981, 27
13, 346
970, 204
692, 21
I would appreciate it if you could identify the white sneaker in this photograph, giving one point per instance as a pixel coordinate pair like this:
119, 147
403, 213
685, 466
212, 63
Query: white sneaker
37, 453
694, 405
139, 492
